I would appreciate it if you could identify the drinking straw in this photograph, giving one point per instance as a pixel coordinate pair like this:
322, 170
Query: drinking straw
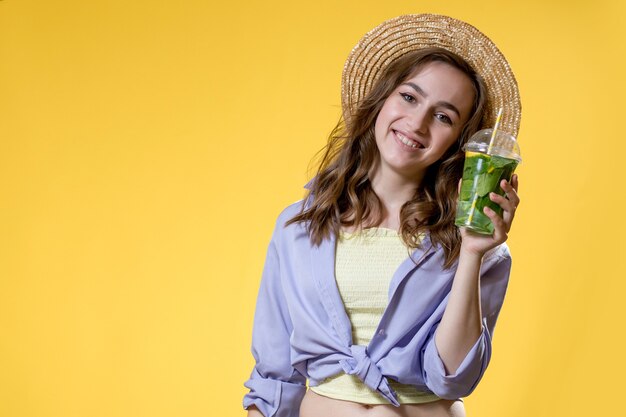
493, 136
495, 129
473, 208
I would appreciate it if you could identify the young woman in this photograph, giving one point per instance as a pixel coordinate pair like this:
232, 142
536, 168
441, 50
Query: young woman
369, 291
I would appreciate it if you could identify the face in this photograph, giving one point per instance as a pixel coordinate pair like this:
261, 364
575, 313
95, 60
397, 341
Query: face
421, 119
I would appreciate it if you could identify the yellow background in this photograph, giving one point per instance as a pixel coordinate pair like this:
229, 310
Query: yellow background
146, 148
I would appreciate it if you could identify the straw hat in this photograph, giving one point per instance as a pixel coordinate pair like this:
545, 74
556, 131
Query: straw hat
395, 37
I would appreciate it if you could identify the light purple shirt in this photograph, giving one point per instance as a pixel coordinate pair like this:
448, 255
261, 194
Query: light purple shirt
302, 331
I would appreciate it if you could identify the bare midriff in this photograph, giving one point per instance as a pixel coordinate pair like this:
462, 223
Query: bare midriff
315, 405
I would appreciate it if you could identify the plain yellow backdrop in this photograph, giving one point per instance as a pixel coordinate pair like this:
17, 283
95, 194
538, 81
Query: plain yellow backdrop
146, 148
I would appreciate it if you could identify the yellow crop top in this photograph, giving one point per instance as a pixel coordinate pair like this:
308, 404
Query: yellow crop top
364, 265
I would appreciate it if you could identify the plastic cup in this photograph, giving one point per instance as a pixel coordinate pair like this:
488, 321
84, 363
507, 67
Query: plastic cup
483, 171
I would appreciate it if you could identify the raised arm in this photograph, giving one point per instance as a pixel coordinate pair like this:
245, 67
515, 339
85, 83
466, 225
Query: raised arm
456, 357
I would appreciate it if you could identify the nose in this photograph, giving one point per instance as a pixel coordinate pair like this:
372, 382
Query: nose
418, 121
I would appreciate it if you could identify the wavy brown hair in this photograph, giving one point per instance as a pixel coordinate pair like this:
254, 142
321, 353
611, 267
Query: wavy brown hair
341, 193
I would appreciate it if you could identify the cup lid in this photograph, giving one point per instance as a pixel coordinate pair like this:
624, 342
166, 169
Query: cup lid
504, 144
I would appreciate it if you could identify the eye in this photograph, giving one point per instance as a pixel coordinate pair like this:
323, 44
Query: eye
407, 97
443, 118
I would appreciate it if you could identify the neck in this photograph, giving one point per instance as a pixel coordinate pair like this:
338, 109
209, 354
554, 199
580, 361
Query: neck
393, 189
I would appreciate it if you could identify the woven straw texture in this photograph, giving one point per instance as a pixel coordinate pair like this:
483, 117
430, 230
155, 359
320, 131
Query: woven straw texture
397, 36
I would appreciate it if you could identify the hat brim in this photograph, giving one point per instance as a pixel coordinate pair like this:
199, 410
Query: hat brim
395, 37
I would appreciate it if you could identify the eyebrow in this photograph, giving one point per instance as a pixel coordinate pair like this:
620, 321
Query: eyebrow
444, 104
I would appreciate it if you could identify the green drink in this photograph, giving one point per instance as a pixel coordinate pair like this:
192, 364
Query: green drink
482, 173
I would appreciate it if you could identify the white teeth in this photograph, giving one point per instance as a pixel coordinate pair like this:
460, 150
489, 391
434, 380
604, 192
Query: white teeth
406, 140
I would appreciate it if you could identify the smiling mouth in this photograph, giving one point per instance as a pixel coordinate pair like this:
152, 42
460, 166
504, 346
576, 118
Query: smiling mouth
408, 142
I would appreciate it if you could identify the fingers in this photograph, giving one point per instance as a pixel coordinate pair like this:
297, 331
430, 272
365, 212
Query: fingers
509, 204
506, 204
515, 182
511, 200
510, 190
500, 227
501, 223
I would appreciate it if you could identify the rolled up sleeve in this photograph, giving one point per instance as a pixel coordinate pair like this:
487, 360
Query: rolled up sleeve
276, 387
494, 281
468, 374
